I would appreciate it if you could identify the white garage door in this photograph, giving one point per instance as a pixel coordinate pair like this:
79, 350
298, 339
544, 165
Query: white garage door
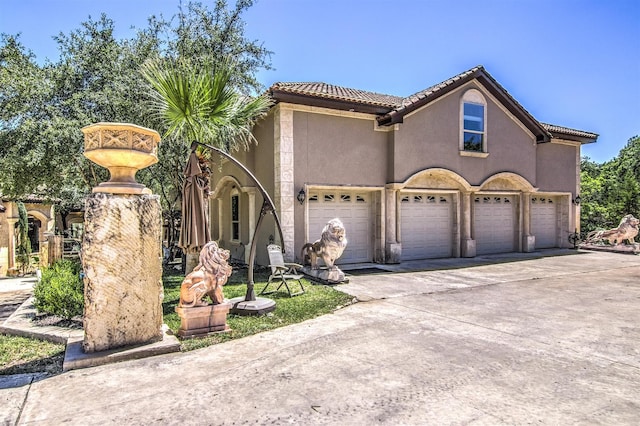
426, 226
494, 224
544, 221
354, 210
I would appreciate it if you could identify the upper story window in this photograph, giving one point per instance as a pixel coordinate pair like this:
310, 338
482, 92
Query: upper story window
235, 217
473, 137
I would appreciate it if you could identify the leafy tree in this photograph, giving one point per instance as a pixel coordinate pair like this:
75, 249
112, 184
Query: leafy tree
611, 190
97, 78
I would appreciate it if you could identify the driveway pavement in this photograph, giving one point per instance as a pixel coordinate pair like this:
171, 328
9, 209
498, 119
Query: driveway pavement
546, 340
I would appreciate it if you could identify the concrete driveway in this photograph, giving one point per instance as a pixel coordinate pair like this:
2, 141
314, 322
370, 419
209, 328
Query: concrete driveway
550, 340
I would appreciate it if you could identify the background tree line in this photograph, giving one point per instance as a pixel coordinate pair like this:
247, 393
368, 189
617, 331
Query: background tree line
98, 78
610, 190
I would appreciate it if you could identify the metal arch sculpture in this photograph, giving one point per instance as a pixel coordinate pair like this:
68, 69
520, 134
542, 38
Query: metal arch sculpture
267, 207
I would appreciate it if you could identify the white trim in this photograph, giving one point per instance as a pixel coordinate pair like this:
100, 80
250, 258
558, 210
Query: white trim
473, 154
557, 141
327, 111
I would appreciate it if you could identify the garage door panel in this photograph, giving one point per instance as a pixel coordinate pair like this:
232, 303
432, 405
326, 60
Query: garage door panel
494, 224
354, 210
544, 221
426, 226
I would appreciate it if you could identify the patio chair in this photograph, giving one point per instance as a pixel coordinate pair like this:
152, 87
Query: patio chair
282, 272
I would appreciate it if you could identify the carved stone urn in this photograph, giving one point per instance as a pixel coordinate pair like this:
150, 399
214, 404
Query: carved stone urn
123, 149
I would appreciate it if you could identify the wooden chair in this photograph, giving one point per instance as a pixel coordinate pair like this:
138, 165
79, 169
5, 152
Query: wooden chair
281, 272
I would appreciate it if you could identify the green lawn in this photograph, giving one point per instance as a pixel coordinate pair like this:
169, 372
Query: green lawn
317, 300
24, 355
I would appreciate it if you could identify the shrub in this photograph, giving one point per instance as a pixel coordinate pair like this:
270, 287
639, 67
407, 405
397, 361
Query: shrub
60, 292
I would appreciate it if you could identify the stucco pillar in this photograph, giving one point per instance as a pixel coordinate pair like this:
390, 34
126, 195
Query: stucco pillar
284, 192
468, 244
393, 249
528, 240
12, 243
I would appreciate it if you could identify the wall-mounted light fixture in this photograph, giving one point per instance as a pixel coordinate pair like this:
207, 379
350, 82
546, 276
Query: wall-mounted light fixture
576, 200
301, 196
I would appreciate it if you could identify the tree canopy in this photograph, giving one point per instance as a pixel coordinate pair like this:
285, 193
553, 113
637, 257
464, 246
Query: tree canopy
97, 78
611, 190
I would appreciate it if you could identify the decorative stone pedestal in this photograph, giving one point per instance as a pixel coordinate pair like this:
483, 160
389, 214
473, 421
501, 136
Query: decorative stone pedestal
325, 275
528, 243
201, 321
122, 262
619, 248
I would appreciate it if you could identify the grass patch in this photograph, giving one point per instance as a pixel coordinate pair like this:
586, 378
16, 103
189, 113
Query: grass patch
318, 300
25, 355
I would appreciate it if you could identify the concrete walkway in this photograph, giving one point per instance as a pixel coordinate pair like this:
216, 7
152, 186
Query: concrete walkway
534, 339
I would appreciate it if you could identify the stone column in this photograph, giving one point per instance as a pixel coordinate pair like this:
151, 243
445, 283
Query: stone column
393, 249
284, 191
528, 240
122, 259
468, 243
56, 247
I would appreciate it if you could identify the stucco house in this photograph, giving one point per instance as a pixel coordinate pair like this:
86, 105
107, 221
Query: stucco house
460, 169
43, 222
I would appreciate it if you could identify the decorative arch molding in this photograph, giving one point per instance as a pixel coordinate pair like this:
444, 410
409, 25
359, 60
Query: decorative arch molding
507, 181
39, 215
437, 178
226, 181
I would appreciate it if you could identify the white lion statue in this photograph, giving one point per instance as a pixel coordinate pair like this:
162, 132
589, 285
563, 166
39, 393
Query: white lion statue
627, 230
329, 247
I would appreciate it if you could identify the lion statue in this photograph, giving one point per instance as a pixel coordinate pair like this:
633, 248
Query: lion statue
627, 230
329, 247
207, 278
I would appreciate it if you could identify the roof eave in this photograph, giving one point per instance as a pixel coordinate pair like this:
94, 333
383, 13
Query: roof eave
540, 133
317, 101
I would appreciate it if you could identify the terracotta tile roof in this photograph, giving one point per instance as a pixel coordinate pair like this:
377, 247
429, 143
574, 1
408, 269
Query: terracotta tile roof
330, 91
568, 131
391, 109
417, 97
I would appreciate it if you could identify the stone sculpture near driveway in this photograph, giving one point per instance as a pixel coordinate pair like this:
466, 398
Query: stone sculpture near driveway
627, 230
328, 248
198, 318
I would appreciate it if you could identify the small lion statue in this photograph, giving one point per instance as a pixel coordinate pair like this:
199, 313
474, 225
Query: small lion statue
207, 278
329, 247
627, 230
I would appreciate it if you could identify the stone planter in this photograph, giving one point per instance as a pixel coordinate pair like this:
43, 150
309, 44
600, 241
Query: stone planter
123, 149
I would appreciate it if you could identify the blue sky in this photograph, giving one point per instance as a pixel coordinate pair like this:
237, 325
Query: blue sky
574, 63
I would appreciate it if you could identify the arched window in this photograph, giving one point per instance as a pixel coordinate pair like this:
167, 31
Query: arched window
473, 117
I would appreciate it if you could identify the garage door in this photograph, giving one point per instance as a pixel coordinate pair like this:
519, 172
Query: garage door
544, 221
354, 210
494, 224
426, 226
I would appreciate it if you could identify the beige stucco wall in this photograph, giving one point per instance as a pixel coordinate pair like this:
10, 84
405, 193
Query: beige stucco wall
558, 167
430, 138
337, 150
4, 244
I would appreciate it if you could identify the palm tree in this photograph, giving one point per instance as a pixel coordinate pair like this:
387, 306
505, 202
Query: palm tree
198, 103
